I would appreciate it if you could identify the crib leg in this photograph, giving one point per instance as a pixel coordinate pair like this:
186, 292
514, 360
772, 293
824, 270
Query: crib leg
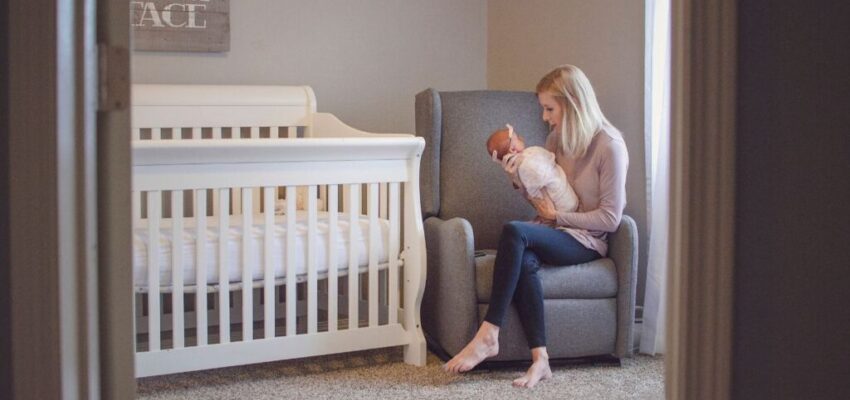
415, 353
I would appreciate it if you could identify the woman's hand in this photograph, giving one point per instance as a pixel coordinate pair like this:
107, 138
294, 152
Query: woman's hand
509, 163
545, 209
541, 221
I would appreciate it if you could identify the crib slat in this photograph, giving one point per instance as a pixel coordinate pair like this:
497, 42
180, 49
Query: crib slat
374, 237
156, 133
154, 212
392, 252
353, 290
195, 133
137, 134
292, 132
216, 132
268, 271
247, 276
312, 236
383, 200
333, 271
290, 261
223, 281
201, 265
177, 267
255, 132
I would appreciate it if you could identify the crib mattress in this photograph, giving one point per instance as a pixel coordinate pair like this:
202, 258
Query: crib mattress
255, 248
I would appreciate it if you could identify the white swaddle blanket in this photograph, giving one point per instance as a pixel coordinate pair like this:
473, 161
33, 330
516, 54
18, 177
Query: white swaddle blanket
541, 177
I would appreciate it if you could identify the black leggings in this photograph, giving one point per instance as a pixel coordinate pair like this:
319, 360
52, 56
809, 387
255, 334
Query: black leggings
522, 247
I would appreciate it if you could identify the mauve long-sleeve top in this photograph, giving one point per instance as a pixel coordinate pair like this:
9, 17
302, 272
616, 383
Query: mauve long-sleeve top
599, 179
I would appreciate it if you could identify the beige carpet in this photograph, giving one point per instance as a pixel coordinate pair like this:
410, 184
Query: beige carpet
380, 374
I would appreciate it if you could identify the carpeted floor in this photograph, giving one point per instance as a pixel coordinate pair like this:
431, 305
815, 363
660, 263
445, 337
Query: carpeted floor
381, 374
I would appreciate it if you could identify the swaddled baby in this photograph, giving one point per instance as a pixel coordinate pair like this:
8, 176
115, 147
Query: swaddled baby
537, 172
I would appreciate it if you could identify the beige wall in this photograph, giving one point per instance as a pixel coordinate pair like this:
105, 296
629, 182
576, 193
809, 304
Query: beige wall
605, 38
365, 59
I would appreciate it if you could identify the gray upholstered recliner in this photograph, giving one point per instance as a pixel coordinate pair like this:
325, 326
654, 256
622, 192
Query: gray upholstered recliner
466, 198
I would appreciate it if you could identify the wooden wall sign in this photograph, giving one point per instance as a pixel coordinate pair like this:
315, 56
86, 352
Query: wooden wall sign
181, 25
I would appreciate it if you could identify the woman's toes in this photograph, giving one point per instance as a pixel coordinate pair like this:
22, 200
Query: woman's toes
450, 366
474, 353
535, 374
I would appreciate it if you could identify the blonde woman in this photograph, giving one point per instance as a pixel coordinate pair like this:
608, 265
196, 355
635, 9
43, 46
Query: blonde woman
593, 155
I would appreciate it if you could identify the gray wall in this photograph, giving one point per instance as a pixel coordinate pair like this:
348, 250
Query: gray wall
605, 38
792, 262
365, 59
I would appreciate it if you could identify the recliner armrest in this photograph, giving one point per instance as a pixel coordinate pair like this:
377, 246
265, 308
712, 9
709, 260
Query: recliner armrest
449, 305
623, 249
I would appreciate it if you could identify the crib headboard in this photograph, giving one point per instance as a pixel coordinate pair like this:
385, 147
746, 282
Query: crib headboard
196, 111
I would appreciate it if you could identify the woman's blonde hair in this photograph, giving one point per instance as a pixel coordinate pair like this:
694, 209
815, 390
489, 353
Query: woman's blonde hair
582, 117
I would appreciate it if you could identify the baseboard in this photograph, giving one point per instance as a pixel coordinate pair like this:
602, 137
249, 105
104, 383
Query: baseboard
605, 359
553, 362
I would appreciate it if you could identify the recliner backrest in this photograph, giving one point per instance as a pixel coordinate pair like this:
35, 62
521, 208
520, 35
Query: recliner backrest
458, 178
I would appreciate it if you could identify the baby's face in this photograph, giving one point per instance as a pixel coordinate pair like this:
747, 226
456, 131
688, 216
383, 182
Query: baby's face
502, 143
517, 145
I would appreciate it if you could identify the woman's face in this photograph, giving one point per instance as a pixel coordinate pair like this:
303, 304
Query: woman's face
553, 113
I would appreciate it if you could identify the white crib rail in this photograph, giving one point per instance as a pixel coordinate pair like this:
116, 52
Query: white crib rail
223, 295
153, 269
290, 263
373, 170
353, 278
168, 106
268, 272
200, 212
177, 273
333, 301
217, 160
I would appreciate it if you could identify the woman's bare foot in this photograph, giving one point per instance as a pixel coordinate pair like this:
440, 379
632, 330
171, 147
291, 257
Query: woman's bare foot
538, 371
485, 344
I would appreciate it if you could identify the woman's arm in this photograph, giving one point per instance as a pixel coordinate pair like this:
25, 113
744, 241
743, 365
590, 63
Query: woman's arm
612, 193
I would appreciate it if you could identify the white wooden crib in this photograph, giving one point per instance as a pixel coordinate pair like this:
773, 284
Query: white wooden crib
264, 230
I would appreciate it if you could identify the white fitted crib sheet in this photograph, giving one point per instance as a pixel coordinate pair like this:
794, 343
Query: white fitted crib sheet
255, 249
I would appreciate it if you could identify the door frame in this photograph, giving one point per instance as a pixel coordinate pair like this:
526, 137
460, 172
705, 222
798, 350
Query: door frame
702, 147
65, 303
117, 345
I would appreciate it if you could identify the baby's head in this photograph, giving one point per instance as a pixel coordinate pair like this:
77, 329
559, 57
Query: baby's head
500, 141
